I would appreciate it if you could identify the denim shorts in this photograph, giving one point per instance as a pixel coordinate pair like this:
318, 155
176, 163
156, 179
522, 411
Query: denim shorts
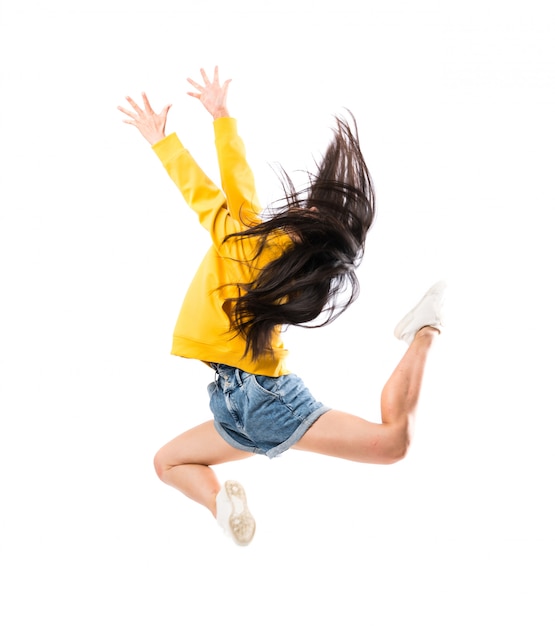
261, 414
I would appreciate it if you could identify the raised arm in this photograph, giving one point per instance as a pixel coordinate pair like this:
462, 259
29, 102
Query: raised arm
221, 213
236, 175
200, 193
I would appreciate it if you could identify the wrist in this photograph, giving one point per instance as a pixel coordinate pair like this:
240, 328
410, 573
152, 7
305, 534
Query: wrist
222, 112
156, 138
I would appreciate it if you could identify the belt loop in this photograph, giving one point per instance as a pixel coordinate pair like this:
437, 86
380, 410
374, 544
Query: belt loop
216, 373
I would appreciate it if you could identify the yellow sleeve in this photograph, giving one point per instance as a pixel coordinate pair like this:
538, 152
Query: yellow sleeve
236, 175
199, 192
221, 213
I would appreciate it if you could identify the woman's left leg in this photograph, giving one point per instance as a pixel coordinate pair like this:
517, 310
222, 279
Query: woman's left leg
184, 463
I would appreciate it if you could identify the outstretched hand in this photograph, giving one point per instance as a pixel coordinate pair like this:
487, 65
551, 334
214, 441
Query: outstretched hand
151, 125
212, 95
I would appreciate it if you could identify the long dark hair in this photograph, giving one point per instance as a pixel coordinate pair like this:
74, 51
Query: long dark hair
314, 279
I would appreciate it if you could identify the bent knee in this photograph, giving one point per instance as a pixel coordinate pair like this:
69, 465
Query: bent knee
396, 454
397, 447
160, 465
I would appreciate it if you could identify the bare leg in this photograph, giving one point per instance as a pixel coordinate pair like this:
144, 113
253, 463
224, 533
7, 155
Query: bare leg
347, 436
184, 463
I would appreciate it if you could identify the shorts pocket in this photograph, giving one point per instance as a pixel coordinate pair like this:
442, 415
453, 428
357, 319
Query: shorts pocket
265, 384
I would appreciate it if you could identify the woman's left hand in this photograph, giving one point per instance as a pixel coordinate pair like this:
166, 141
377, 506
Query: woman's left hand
151, 125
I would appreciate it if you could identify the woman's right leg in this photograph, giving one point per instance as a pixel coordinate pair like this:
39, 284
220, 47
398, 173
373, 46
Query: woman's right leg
184, 463
350, 437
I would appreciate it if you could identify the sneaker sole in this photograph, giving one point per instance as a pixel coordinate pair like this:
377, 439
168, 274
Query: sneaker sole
241, 522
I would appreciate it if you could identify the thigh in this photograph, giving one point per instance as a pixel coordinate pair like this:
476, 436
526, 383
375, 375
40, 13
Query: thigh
201, 445
350, 437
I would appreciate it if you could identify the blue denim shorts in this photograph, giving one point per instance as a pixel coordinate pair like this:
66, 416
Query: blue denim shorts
261, 414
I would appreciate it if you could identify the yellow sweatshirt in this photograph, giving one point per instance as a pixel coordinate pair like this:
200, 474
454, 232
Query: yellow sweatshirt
203, 329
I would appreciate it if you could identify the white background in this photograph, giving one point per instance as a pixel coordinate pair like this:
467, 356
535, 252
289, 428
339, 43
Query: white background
455, 103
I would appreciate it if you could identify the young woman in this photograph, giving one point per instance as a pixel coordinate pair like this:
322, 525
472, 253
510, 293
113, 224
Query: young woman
260, 274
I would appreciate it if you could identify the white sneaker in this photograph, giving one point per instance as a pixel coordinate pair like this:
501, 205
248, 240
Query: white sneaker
428, 312
233, 515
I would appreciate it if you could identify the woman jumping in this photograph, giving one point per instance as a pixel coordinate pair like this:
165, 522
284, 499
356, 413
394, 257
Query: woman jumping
293, 267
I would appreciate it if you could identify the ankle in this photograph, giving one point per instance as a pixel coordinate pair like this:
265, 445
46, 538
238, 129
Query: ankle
428, 332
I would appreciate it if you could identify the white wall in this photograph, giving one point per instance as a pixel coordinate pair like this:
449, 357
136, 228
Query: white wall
455, 105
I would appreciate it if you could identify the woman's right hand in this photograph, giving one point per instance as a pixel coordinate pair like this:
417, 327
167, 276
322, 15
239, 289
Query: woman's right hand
212, 95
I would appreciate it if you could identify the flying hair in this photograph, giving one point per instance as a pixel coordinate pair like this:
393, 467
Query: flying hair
314, 280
